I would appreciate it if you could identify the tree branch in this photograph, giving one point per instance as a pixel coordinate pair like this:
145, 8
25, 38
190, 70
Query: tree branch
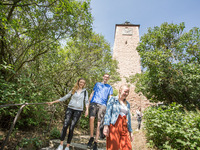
9, 4
12, 9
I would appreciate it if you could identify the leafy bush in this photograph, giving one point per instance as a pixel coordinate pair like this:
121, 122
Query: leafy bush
30, 143
18, 93
84, 122
171, 127
54, 134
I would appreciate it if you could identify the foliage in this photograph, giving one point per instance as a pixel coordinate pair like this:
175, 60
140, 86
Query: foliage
54, 133
172, 127
21, 92
80, 58
31, 29
84, 122
35, 67
170, 59
30, 143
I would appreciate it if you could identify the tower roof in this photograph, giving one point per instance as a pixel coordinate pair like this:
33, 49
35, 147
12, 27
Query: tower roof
127, 23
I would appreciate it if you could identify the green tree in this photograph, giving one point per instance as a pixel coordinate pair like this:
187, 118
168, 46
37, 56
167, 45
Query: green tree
35, 67
170, 59
89, 59
30, 29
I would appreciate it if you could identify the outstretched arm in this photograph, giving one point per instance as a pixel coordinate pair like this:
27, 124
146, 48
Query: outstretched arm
50, 103
61, 99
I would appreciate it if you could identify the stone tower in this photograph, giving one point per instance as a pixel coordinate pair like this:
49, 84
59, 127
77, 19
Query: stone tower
124, 51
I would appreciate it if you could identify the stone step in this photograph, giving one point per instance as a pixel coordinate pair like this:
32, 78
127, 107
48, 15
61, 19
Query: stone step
74, 146
78, 143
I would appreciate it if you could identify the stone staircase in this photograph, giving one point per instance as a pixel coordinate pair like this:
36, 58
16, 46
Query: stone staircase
78, 143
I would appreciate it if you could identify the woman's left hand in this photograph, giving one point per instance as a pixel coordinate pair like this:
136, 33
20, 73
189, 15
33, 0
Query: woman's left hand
131, 136
86, 113
106, 131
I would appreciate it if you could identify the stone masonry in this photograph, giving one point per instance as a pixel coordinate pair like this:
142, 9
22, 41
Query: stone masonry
124, 51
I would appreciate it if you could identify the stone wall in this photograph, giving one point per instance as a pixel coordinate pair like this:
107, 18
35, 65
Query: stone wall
124, 50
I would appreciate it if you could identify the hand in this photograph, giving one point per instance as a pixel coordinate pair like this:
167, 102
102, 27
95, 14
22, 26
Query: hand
131, 136
106, 131
49, 103
86, 113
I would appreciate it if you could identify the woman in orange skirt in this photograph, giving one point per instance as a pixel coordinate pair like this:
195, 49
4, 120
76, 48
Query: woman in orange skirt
117, 122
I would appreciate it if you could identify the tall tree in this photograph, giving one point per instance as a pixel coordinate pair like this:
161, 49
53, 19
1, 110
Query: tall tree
170, 58
89, 58
29, 29
35, 66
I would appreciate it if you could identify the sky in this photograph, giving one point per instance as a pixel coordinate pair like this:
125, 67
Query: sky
146, 13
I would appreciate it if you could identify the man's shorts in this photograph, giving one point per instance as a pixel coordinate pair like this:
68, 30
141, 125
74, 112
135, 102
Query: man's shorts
97, 110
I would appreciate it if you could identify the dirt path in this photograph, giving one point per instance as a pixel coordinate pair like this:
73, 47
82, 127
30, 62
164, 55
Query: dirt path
139, 142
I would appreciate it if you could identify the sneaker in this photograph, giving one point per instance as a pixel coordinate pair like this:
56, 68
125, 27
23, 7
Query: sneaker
95, 146
60, 147
66, 148
89, 145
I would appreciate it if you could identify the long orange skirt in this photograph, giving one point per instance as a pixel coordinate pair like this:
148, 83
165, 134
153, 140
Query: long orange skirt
119, 138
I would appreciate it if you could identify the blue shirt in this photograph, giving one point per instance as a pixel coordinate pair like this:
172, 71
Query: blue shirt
101, 93
113, 111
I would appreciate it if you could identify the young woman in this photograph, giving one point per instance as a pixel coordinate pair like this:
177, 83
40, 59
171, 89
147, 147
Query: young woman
117, 122
75, 107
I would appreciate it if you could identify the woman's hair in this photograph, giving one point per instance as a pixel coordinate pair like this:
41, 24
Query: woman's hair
76, 86
122, 86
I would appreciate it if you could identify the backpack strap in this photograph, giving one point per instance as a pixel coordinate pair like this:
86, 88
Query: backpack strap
84, 99
84, 94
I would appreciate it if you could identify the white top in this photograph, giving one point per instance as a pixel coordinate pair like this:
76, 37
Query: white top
123, 110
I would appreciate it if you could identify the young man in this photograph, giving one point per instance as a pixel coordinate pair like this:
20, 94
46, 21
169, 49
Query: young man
98, 101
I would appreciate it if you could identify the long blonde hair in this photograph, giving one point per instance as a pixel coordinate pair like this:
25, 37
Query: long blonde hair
76, 86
